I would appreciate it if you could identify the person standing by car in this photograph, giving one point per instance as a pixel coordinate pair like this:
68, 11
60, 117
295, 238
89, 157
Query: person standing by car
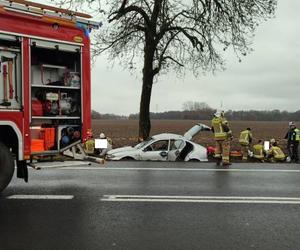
293, 138
222, 136
245, 140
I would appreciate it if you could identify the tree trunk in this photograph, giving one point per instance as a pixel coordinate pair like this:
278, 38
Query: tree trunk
144, 121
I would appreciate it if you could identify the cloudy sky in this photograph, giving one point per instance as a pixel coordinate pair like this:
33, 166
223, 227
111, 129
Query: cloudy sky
268, 78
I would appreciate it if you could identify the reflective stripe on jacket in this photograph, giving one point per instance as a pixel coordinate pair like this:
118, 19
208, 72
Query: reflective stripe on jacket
217, 125
245, 137
297, 134
293, 135
258, 151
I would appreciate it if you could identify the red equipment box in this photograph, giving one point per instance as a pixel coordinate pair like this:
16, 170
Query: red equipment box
37, 107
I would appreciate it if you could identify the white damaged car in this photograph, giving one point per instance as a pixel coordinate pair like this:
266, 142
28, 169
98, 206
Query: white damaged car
164, 147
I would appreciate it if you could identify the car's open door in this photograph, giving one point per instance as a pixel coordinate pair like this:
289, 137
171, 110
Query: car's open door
176, 146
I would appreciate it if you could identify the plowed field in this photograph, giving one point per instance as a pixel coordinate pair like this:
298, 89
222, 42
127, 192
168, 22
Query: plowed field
125, 132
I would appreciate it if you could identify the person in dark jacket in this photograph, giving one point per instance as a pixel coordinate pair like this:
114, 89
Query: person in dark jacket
293, 138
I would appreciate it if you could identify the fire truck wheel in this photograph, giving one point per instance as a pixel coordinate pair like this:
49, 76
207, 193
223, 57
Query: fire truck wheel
6, 167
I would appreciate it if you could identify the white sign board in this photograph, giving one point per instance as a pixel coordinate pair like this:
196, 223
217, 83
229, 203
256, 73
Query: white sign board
266, 145
100, 143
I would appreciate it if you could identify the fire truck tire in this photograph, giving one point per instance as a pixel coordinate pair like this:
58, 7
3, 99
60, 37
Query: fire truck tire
7, 167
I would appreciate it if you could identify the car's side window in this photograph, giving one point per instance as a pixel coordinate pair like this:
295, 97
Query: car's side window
149, 148
176, 144
160, 145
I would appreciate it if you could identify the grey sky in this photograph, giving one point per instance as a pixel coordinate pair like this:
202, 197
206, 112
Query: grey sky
268, 78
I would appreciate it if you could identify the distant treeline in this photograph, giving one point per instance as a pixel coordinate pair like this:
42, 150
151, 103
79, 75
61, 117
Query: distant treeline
97, 115
206, 114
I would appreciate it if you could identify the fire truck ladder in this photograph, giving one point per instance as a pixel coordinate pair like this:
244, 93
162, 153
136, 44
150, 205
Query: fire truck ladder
37, 9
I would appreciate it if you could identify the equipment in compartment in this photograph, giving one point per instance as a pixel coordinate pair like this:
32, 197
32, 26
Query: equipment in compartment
54, 103
43, 139
51, 105
67, 104
9, 75
37, 107
54, 75
48, 135
5, 97
68, 135
72, 79
47, 74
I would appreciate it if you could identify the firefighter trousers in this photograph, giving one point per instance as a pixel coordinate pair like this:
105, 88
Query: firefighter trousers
222, 150
244, 149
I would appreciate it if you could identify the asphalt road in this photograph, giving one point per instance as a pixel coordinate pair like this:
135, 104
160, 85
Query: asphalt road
144, 205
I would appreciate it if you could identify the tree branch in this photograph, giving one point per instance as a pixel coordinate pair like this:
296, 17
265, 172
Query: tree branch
123, 11
162, 58
193, 39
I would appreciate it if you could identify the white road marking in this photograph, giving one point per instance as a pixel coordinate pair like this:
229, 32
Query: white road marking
40, 197
184, 169
202, 199
59, 164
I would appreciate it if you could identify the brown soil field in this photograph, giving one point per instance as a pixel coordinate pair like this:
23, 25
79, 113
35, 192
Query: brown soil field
125, 132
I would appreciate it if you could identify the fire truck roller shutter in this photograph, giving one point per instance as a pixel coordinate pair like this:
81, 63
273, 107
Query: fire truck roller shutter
54, 45
8, 37
6, 167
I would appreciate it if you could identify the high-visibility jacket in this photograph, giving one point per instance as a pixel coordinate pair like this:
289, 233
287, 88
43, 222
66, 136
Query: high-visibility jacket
220, 128
293, 135
277, 153
258, 151
245, 137
296, 134
89, 146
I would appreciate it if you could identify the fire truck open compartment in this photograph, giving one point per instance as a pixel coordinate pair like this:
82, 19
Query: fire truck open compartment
55, 95
10, 73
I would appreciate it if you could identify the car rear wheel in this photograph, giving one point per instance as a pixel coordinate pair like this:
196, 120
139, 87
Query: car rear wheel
7, 167
127, 159
193, 160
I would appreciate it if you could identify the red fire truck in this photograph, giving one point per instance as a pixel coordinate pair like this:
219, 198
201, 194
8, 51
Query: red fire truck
45, 104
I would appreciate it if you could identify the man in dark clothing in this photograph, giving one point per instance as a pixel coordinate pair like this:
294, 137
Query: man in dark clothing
293, 138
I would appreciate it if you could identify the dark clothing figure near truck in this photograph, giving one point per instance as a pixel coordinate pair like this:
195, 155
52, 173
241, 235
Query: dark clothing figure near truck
293, 138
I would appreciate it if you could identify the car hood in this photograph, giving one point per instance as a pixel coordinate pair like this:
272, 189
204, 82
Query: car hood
120, 150
195, 130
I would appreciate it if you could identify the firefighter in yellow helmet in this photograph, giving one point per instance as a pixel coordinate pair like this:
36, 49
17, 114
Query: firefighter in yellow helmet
245, 140
222, 136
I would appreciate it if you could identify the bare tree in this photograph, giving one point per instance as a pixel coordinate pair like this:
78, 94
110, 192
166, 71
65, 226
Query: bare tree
176, 34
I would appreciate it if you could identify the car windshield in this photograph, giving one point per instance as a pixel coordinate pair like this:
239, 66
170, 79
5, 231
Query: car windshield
143, 143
